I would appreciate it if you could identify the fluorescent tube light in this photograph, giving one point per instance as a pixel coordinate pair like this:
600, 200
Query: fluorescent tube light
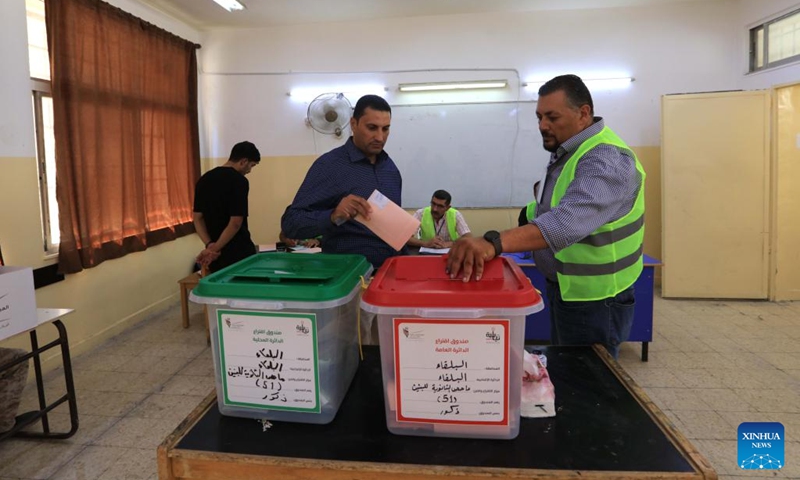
230, 5
592, 83
426, 87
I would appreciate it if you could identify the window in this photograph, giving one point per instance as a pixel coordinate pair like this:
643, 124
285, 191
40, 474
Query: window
45, 154
776, 42
43, 122
124, 96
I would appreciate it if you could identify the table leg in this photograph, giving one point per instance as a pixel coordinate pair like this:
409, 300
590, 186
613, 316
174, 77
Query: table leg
185, 306
37, 367
72, 399
205, 322
645, 346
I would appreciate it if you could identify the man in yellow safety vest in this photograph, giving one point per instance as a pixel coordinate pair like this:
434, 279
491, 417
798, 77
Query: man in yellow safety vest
440, 224
587, 232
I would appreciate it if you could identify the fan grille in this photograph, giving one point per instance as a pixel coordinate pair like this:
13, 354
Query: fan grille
329, 113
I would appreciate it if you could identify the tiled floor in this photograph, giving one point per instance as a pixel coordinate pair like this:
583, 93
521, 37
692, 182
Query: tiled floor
713, 365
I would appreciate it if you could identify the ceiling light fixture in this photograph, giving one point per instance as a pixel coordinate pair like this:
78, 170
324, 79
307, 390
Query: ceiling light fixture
426, 87
230, 5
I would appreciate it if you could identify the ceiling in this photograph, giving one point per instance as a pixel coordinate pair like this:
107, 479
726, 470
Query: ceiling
205, 14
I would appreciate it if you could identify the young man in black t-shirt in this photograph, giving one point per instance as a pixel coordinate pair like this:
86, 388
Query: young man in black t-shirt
220, 209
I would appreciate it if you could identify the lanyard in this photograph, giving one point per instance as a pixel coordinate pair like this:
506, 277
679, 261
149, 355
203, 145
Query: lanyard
439, 228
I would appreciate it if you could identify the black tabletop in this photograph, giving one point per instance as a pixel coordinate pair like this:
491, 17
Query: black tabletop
598, 426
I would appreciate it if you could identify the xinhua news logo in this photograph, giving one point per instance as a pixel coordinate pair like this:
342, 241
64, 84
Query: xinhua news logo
761, 446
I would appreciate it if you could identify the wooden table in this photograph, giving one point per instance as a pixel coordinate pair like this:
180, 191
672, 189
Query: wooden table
606, 428
45, 316
187, 283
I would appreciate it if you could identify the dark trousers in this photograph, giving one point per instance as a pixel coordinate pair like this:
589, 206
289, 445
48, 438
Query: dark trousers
606, 321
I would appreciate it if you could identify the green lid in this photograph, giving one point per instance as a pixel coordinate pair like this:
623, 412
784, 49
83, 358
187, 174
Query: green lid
287, 276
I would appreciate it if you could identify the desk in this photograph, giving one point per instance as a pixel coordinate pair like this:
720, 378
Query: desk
537, 326
606, 428
47, 315
186, 284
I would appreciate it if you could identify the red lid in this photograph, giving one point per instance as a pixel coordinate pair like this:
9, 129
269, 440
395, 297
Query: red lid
420, 281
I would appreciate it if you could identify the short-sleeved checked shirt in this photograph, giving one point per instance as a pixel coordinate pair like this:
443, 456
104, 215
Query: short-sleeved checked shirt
441, 226
604, 189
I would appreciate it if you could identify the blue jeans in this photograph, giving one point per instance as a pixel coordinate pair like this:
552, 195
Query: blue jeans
607, 322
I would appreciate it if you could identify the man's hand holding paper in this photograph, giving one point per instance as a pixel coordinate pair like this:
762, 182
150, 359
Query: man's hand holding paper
388, 221
349, 207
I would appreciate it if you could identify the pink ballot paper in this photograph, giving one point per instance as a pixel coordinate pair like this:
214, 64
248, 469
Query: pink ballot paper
388, 221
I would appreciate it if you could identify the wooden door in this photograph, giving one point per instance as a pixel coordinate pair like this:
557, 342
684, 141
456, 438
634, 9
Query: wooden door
715, 185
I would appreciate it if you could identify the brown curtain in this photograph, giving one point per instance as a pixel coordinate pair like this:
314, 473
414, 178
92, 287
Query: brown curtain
126, 131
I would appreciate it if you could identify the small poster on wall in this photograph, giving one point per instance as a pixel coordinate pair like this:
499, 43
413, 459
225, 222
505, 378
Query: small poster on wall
268, 360
452, 371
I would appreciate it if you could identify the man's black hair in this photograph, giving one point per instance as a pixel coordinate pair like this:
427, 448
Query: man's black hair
443, 195
573, 87
370, 101
245, 150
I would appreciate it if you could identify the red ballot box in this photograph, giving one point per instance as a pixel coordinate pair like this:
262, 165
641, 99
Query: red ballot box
451, 351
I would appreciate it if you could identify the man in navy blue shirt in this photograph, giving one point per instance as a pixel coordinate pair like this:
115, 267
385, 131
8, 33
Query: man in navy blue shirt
339, 182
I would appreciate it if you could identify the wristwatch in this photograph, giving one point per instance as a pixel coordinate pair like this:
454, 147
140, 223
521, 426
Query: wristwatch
493, 237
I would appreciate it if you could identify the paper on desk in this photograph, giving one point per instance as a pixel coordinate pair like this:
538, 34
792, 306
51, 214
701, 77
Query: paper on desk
388, 221
306, 250
434, 251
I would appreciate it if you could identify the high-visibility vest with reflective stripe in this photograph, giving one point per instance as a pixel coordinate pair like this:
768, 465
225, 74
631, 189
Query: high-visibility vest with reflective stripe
530, 211
427, 230
610, 259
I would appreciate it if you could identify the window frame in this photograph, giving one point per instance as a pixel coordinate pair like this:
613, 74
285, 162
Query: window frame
40, 89
753, 43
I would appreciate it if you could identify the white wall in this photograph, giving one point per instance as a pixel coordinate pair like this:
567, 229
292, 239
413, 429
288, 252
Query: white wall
669, 49
751, 14
158, 18
16, 117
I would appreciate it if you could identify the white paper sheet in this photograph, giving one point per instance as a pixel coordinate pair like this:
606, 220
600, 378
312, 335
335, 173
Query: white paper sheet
434, 251
306, 250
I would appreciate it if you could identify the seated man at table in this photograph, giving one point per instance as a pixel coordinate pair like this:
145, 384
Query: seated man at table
440, 224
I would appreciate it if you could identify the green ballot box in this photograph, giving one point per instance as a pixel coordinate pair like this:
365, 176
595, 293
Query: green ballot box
284, 334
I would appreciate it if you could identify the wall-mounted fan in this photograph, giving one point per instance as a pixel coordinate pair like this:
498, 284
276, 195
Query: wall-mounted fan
329, 113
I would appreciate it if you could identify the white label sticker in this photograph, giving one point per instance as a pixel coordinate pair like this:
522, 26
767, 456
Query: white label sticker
452, 371
269, 360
